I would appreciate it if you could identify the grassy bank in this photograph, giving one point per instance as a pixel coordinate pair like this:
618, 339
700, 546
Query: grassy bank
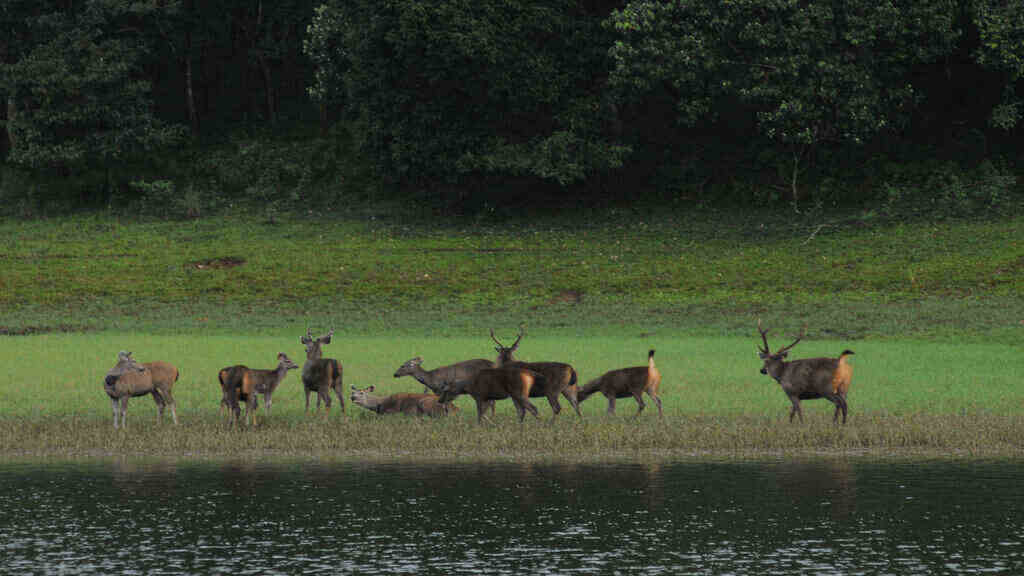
934, 311
907, 395
707, 274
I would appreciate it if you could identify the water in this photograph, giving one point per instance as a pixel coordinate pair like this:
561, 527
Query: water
811, 517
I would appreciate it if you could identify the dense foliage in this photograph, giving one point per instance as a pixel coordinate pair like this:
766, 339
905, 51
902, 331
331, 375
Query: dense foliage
896, 104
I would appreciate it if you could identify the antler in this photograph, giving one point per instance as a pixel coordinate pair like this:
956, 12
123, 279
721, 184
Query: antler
522, 332
496, 341
803, 331
764, 338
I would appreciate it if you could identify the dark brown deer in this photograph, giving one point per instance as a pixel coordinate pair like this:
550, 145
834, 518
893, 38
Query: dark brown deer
321, 374
626, 382
239, 383
559, 377
128, 379
433, 380
496, 384
808, 378
410, 404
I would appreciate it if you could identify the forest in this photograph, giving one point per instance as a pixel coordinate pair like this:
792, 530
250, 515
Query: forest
186, 108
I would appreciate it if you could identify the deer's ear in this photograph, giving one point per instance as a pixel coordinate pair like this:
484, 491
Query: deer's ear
305, 340
784, 354
370, 389
762, 355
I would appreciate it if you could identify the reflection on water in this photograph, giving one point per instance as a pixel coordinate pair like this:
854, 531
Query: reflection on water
818, 517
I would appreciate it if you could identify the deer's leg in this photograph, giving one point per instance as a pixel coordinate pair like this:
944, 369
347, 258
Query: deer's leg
570, 395
324, 394
657, 402
124, 412
307, 399
267, 402
640, 405
529, 406
341, 397
481, 409
611, 405
795, 409
556, 407
113, 405
840, 401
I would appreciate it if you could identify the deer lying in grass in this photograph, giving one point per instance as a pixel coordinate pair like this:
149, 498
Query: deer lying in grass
239, 383
321, 374
410, 404
627, 382
559, 377
808, 378
496, 384
128, 379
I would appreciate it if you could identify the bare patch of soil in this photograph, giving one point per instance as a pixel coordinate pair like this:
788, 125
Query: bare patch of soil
217, 263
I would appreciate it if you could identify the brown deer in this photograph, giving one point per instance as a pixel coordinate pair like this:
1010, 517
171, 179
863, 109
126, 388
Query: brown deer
626, 382
409, 404
495, 384
433, 380
239, 383
559, 377
808, 378
321, 374
129, 378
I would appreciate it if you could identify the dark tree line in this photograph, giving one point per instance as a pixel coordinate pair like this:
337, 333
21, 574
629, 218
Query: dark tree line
750, 99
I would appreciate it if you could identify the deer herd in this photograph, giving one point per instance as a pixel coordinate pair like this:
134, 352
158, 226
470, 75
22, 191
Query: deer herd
485, 380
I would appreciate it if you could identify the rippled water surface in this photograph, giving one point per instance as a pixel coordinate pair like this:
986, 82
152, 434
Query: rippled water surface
808, 517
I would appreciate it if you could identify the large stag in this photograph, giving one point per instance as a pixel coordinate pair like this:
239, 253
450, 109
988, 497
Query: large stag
496, 384
808, 378
559, 377
321, 374
239, 383
410, 404
627, 382
128, 379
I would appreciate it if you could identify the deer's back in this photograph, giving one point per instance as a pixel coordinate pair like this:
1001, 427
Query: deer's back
556, 376
164, 374
810, 377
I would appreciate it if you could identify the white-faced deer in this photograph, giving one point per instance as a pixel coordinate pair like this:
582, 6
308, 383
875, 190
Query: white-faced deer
808, 378
627, 382
129, 378
410, 404
321, 374
496, 384
239, 383
559, 377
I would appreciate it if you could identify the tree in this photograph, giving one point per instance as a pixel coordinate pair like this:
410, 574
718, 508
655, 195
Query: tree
453, 90
77, 93
812, 73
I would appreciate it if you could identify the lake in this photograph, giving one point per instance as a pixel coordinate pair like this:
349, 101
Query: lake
808, 516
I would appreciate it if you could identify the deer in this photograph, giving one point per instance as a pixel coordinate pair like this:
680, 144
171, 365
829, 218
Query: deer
496, 384
128, 379
409, 404
242, 383
559, 377
321, 374
808, 378
433, 380
626, 382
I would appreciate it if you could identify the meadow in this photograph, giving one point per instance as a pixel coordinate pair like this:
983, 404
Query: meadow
933, 311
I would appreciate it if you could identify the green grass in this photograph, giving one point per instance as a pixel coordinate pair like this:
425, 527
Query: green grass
934, 311
908, 395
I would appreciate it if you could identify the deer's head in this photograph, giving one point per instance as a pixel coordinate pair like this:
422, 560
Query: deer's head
284, 361
312, 345
505, 352
361, 397
409, 368
773, 362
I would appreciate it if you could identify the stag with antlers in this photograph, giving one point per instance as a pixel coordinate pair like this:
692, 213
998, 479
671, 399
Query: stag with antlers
808, 378
559, 377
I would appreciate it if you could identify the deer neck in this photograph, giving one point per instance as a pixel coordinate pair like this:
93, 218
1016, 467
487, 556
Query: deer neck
424, 377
